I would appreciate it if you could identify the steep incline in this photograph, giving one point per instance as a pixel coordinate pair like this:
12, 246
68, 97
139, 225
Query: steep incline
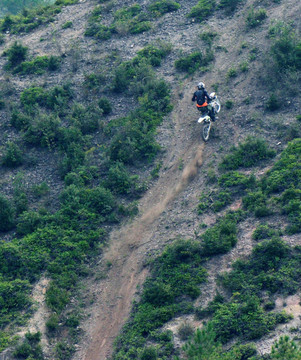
168, 208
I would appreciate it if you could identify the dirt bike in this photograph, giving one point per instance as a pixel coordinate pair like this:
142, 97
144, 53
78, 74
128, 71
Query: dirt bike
205, 119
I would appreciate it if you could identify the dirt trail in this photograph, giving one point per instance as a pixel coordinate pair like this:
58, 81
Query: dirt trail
129, 245
126, 253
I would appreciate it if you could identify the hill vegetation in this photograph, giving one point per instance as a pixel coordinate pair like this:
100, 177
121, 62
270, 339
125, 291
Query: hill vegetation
79, 148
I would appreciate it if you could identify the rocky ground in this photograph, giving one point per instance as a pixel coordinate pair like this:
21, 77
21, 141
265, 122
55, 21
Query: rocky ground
168, 209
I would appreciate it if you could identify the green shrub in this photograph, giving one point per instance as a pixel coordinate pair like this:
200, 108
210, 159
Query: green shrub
229, 104
185, 331
55, 98
130, 20
52, 323
6, 214
162, 7
64, 351
236, 181
119, 180
16, 54
99, 31
105, 105
149, 353
286, 47
32, 18
28, 222
86, 119
193, 62
38, 65
273, 103
244, 66
263, 232
247, 154
272, 266
231, 73
175, 275
73, 158
14, 297
40, 190
13, 155
67, 25
30, 348
256, 202
155, 53
19, 120
285, 348
202, 10
21, 201
56, 300
220, 238
94, 81
43, 131
252, 323
255, 18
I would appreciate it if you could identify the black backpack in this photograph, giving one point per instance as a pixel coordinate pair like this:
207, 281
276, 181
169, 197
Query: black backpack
200, 97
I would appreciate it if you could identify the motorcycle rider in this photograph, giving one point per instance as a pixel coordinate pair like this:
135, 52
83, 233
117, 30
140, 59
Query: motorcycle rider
202, 99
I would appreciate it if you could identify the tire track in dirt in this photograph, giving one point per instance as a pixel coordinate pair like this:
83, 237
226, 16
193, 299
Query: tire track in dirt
129, 244
126, 254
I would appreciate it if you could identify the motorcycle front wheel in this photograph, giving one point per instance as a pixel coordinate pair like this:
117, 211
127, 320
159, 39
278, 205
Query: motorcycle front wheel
206, 131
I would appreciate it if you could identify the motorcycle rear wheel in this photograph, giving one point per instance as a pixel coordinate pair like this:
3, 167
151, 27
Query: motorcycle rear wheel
206, 131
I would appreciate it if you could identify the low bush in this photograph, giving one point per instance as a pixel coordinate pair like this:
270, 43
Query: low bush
255, 17
272, 266
119, 180
193, 62
162, 7
16, 54
52, 323
286, 47
55, 98
67, 25
285, 348
105, 105
64, 351
6, 214
19, 120
185, 331
86, 119
43, 131
28, 222
30, 348
252, 323
263, 232
32, 18
202, 10
222, 237
13, 155
247, 154
94, 81
38, 65
256, 202
154, 54
273, 103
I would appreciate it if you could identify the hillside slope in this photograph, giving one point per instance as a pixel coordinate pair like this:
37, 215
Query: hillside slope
168, 208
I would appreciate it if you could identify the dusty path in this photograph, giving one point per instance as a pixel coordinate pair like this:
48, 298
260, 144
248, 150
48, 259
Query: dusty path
129, 245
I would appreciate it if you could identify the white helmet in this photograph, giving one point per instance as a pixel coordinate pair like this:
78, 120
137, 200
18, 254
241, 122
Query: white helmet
201, 85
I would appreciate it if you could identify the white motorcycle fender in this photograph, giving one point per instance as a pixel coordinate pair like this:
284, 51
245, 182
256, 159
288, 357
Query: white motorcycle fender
201, 119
